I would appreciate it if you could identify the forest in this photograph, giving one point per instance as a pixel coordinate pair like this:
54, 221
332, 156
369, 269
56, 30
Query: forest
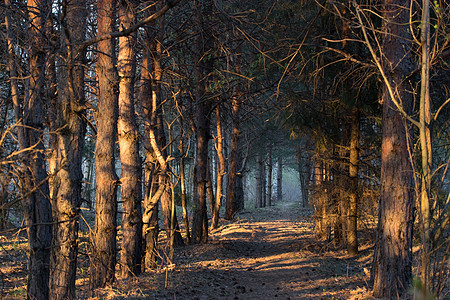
208, 149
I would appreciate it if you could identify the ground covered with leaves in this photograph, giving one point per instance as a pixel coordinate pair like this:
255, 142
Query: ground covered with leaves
267, 253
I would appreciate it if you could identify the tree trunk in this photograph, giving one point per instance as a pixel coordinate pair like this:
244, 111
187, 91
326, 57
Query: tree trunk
352, 228
269, 177
103, 258
264, 184
425, 146
150, 227
128, 136
279, 180
221, 170
203, 71
231, 207
67, 182
209, 188
158, 143
393, 256
259, 186
184, 192
37, 208
319, 201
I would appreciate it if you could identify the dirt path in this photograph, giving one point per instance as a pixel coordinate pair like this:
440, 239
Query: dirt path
265, 254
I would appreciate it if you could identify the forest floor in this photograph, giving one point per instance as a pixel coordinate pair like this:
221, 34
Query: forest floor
267, 253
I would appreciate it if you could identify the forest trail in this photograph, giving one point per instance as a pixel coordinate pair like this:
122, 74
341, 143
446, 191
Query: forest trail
267, 253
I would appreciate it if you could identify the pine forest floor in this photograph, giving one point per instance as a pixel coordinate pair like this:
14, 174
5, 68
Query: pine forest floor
267, 253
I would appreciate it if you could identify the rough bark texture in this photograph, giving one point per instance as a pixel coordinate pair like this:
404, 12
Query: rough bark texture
319, 201
37, 208
128, 135
68, 152
103, 259
393, 256
220, 172
352, 225
231, 205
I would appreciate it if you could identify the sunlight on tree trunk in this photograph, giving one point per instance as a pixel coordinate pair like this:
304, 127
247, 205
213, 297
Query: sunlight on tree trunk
103, 258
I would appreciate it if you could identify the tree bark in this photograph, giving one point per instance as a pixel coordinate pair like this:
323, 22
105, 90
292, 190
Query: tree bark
425, 146
128, 136
203, 71
184, 192
279, 180
352, 225
231, 205
221, 170
393, 256
37, 209
269, 177
259, 186
150, 227
103, 259
70, 132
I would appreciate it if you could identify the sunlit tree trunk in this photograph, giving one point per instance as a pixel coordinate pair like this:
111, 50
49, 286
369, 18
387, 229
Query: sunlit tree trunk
221, 170
320, 201
103, 258
425, 145
128, 137
209, 187
352, 228
158, 144
150, 227
393, 256
183, 191
70, 131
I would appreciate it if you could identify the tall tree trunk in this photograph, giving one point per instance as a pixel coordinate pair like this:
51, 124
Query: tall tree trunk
320, 201
279, 180
37, 208
150, 227
393, 256
203, 71
184, 192
158, 143
231, 207
70, 131
209, 187
221, 170
269, 177
259, 186
303, 175
352, 228
103, 259
19, 130
128, 135
425, 146
264, 184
